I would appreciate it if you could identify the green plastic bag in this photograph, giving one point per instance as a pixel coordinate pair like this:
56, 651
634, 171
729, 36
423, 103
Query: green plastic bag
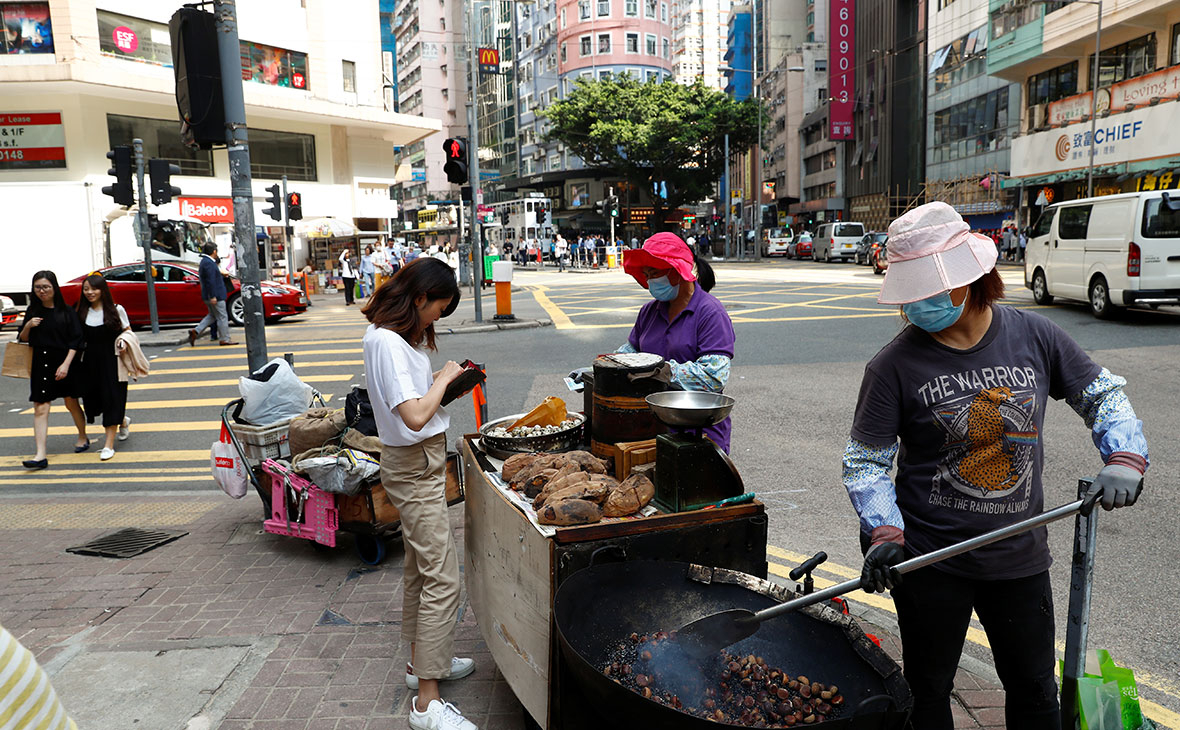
1108, 696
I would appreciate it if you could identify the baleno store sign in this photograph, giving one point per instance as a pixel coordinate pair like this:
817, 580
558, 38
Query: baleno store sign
210, 210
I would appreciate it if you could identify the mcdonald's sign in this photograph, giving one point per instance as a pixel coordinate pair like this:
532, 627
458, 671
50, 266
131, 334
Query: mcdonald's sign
489, 60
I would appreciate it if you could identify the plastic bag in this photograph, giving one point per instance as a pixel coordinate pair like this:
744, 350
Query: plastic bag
1107, 695
273, 393
229, 470
344, 472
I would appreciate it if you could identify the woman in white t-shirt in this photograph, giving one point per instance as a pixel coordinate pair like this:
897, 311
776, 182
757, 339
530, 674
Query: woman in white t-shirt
412, 425
102, 392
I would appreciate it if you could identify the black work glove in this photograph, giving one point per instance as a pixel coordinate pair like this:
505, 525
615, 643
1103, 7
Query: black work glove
887, 550
1119, 485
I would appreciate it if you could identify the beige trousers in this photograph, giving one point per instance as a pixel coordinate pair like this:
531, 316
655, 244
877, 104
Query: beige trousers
414, 478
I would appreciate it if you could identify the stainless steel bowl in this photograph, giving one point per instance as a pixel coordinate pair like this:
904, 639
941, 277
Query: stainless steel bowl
690, 408
502, 447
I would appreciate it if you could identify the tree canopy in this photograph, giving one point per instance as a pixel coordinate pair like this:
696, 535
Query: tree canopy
664, 136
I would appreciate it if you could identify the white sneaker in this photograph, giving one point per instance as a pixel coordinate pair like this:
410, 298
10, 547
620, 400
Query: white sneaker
123, 433
106, 454
439, 715
460, 668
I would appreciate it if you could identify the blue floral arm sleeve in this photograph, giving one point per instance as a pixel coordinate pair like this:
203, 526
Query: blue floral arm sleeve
1110, 417
708, 372
866, 477
627, 347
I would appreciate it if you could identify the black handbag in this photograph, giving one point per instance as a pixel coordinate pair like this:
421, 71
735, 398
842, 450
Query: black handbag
358, 411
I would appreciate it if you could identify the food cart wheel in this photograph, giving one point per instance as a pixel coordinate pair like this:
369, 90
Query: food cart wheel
369, 548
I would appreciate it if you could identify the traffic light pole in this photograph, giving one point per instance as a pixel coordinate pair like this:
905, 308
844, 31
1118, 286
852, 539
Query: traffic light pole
230, 57
143, 233
611, 214
473, 166
287, 236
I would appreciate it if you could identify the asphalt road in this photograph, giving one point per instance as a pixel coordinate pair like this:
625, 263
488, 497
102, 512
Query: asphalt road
804, 332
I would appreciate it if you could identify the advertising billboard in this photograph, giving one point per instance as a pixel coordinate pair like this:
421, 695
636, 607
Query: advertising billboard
841, 67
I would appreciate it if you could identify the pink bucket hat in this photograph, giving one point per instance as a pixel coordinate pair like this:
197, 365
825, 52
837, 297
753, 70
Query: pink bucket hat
661, 251
931, 249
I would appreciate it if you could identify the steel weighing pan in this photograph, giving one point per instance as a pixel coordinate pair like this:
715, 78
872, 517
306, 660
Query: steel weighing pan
598, 607
690, 408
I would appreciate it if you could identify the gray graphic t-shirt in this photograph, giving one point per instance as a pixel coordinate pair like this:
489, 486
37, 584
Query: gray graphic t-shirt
969, 422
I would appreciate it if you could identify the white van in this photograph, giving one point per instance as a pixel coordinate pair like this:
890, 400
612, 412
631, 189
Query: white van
837, 241
1113, 251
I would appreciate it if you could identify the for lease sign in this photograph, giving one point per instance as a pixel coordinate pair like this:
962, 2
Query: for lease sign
210, 210
32, 140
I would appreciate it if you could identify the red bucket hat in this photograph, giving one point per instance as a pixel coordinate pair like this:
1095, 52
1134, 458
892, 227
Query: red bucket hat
661, 251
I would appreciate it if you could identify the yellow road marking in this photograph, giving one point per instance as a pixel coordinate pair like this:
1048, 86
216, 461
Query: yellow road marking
299, 366
168, 427
88, 458
232, 355
154, 404
98, 479
329, 378
741, 318
54, 475
560, 320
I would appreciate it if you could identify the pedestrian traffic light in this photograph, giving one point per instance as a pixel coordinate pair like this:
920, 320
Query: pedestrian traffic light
161, 172
612, 206
601, 206
294, 206
275, 200
456, 164
542, 214
505, 216
121, 191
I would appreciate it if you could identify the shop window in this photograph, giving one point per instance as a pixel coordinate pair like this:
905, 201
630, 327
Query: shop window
161, 138
1074, 221
27, 28
1056, 83
122, 36
274, 154
1126, 61
274, 66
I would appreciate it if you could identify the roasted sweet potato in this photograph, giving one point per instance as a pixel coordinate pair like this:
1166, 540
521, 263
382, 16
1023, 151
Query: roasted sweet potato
606, 479
629, 497
587, 462
570, 512
559, 482
515, 463
587, 490
537, 481
544, 461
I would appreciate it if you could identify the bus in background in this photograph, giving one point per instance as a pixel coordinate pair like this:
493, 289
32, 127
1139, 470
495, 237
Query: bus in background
525, 219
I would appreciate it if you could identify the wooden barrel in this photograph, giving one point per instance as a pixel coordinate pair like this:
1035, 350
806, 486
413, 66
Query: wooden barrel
620, 412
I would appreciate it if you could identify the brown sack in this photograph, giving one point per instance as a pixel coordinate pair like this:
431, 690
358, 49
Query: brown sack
18, 360
315, 428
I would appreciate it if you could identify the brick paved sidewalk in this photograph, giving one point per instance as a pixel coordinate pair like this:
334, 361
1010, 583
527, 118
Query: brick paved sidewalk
232, 628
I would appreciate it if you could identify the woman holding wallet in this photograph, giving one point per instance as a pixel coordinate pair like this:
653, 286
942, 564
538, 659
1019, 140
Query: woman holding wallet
412, 424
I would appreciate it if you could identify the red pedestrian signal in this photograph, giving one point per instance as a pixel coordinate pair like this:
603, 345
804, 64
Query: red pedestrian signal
294, 206
455, 149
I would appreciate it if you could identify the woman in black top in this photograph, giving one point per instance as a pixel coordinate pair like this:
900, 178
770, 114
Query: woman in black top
103, 394
55, 333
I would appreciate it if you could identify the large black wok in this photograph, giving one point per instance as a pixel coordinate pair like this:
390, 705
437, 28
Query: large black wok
598, 607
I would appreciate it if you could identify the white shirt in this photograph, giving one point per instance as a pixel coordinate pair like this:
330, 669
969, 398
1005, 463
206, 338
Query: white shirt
346, 269
96, 318
396, 373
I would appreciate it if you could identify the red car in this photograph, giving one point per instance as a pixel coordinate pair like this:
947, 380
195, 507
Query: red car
178, 294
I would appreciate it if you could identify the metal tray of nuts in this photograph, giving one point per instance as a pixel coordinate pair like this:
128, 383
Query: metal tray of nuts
502, 447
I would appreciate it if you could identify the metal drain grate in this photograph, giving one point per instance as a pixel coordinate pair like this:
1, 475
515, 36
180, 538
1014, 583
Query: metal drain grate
127, 543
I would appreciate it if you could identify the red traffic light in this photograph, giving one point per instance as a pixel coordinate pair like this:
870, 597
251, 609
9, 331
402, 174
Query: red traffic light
294, 199
455, 149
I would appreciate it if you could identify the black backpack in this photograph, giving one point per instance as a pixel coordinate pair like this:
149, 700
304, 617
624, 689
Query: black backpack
359, 412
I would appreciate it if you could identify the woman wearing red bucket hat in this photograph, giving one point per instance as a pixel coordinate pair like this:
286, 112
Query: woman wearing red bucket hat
963, 391
684, 323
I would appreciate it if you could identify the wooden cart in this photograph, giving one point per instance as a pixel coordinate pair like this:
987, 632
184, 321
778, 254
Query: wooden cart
513, 570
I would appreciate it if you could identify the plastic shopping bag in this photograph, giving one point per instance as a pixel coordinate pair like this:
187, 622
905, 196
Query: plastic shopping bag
1108, 696
342, 472
229, 471
273, 393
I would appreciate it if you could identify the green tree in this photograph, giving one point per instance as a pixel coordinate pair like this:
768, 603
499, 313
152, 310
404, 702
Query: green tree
655, 134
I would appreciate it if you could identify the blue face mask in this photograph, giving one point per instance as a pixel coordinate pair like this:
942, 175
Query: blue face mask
662, 289
934, 314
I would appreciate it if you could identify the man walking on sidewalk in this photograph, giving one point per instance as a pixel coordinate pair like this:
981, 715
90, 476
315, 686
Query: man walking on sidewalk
213, 292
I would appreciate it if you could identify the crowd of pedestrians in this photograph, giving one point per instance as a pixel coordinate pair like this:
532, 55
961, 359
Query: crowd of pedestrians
1010, 242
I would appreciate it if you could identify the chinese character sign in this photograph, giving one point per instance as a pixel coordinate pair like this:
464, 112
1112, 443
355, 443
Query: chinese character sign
841, 69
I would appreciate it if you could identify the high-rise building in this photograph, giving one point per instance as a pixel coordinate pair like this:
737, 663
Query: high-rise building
698, 40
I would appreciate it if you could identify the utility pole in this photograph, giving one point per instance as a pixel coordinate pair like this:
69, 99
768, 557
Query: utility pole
757, 183
230, 55
611, 214
287, 237
473, 165
727, 198
144, 235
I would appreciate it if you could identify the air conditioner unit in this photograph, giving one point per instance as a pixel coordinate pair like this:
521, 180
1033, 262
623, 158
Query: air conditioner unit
1036, 116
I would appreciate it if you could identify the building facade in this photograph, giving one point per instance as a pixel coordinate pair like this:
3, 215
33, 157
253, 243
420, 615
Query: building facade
698, 40
972, 117
1049, 50
82, 77
739, 52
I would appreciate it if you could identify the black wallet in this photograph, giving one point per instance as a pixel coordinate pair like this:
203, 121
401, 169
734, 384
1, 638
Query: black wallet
468, 379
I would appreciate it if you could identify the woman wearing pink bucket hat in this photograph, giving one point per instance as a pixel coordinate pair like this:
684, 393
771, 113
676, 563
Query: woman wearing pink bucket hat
684, 323
962, 391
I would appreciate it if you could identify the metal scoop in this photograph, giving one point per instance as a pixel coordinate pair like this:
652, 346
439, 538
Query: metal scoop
708, 635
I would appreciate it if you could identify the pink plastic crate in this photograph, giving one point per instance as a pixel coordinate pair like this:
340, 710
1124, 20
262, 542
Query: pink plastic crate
320, 517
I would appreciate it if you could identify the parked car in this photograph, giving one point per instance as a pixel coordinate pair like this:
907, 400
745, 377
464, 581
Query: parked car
178, 294
779, 241
800, 246
1114, 251
837, 241
879, 259
867, 245
8, 311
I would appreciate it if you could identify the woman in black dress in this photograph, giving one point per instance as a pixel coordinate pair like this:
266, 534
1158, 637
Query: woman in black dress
53, 330
102, 392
